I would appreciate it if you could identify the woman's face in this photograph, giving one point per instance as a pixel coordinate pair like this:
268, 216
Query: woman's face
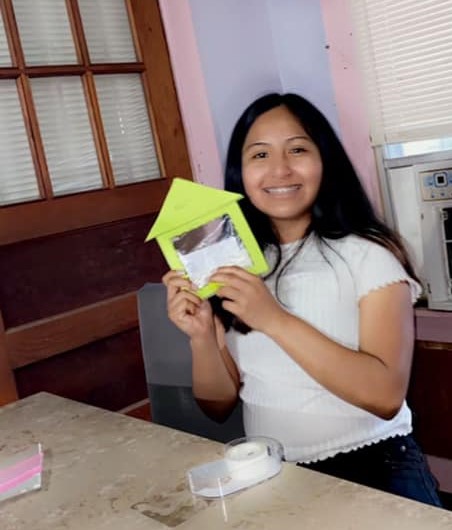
282, 171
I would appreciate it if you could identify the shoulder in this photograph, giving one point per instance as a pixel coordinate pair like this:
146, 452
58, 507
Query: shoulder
354, 247
372, 265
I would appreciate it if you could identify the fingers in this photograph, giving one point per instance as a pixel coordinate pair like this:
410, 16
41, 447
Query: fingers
183, 306
172, 276
184, 301
232, 272
230, 292
176, 281
233, 281
181, 298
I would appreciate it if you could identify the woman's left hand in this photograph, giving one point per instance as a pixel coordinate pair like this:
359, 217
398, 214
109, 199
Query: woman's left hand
246, 296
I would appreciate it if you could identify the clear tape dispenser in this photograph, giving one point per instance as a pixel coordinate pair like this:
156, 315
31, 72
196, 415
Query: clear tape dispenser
247, 461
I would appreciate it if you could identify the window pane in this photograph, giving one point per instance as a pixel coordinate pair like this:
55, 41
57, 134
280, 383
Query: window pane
17, 174
66, 133
126, 124
45, 32
406, 67
5, 57
107, 30
419, 147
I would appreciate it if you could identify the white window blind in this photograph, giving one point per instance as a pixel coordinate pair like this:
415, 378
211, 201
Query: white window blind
66, 110
406, 52
45, 32
66, 133
127, 128
5, 57
17, 174
107, 30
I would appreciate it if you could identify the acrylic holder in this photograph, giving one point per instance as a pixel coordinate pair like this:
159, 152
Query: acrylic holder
247, 461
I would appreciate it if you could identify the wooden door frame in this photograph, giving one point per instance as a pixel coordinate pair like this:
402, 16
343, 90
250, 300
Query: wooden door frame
8, 389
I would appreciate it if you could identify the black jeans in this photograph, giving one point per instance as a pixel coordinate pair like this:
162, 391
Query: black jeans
395, 465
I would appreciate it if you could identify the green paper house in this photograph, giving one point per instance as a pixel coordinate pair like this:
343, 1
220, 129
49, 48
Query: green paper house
200, 228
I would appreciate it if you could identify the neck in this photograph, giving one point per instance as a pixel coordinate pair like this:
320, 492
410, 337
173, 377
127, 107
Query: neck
289, 232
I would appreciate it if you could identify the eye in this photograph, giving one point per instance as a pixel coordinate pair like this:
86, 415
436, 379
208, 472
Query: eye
260, 154
298, 150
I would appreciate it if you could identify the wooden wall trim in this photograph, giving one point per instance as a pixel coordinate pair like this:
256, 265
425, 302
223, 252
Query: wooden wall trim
50, 336
429, 345
8, 390
160, 89
61, 214
141, 410
442, 469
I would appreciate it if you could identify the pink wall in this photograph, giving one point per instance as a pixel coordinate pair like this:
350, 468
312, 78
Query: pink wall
354, 125
350, 102
189, 79
349, 92
197, 115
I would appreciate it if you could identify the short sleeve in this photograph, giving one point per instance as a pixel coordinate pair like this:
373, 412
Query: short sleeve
377, 268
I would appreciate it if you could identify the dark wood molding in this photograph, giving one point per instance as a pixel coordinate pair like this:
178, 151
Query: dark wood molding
43, 218
140, 410
430, 397
67, 261
433, 345
12, 34
70, 70
50, 336
160, 89
108, 373
8, 390
53, 215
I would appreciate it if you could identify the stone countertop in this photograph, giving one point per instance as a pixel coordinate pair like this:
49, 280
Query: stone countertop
105, 470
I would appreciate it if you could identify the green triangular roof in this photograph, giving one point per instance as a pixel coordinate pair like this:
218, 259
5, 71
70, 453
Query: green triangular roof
186, 201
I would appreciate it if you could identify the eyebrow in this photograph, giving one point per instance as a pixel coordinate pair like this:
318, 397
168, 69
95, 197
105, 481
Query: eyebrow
254, 144
300, 137
297, 137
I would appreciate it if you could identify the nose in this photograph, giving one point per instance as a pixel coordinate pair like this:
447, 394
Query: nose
281, 166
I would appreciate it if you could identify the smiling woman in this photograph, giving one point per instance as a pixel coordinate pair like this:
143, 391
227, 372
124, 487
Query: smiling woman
282, 171
319, 351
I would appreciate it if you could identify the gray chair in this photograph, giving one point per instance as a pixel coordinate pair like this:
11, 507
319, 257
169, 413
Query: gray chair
167, 361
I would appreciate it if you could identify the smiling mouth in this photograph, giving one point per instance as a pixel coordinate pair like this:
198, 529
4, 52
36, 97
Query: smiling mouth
281, 190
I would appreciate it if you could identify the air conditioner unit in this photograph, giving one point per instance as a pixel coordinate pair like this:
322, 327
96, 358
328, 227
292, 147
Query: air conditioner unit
421, 201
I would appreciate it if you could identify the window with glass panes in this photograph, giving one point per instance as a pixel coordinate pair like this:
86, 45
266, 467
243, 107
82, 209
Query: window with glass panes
75, 109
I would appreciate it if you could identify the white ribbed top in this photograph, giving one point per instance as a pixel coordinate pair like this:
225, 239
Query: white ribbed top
322, 286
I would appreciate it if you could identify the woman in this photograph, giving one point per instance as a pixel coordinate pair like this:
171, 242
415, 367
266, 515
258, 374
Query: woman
326, 367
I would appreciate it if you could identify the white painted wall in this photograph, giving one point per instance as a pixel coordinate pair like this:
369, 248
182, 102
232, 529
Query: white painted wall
191, 90
250, 47
302, 57
237, 55
225, 53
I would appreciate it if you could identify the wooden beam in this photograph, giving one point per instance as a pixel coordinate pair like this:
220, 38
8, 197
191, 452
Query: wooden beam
8, 390
44, 338
140, 409
159, 88
30, 220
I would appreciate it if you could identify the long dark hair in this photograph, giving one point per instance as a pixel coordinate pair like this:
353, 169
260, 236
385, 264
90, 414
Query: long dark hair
341, 206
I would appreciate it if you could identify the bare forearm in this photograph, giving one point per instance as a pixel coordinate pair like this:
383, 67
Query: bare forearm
214, 385
359, 377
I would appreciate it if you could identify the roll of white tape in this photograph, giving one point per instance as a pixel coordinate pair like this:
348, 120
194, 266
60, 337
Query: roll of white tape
248, 460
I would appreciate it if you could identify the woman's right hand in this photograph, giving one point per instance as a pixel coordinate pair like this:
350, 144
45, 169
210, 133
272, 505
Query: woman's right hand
186, 310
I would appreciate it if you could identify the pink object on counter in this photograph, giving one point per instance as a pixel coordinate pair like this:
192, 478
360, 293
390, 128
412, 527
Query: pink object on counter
20, 471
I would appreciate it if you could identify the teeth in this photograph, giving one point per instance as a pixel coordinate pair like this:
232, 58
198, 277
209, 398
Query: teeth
285, 189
